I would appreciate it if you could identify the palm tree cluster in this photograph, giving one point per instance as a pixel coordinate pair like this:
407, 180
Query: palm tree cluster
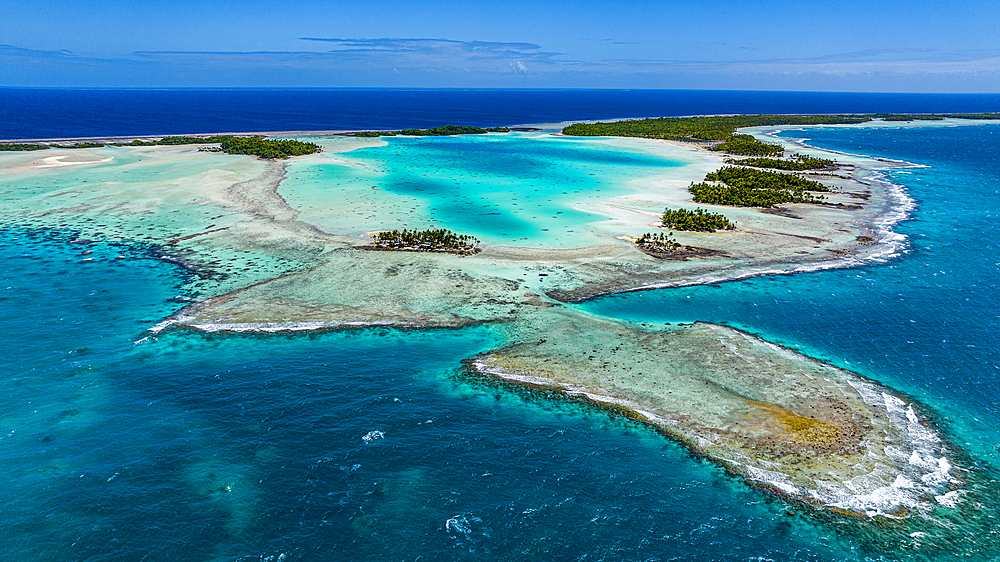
761, 179
431, 240
698, 220
796, 162
748, 196
748, 146
657, 242
267, 148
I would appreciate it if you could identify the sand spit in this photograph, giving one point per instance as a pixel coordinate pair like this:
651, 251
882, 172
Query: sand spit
70, 160
782, 421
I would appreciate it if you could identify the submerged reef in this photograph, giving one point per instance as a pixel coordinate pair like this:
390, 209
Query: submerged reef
784, 422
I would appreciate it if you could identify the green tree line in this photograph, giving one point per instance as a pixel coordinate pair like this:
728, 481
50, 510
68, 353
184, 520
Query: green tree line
749, 146
706, 128
21, 147
747, 196
973, 115
698, 220
176, 140
256, 146
445, 131
796, 162
762, 179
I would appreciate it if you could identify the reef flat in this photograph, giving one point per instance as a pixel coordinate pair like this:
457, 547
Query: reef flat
780, 420
330, 219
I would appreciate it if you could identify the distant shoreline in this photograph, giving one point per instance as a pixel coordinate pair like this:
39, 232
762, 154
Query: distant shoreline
518, 127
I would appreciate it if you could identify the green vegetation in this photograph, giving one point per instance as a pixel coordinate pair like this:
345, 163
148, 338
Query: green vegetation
746, 187
80, 145
972, 115
796, 162
747, 145
18, 147
698, 220
658, 242
663, 246
171, 141
760, 179
267, 148
699, 128
432, 240
174, 141
257, 146
746, 196
723, 128
445, 131
906, 116
932, 116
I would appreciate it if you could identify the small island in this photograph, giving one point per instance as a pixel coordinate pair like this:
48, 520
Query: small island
788, 424
267, 148
431, 240
665, 247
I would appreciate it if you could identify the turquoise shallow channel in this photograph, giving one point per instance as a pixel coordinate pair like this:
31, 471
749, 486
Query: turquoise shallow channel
373, 444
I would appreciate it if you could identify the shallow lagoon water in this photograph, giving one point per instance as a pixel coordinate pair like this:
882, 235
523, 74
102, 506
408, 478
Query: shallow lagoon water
150, 201
372, 445
530, 190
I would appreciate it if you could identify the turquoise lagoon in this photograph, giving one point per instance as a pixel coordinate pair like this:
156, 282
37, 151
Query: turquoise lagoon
373, 444
517, 189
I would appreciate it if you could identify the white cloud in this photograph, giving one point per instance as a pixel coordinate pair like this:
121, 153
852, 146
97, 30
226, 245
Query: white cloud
412, 62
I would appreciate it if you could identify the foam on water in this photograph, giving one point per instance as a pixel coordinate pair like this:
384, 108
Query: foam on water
929, 471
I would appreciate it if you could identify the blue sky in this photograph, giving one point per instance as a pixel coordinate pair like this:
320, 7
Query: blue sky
876, 46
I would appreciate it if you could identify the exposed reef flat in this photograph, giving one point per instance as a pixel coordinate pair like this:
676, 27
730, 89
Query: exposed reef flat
780, 420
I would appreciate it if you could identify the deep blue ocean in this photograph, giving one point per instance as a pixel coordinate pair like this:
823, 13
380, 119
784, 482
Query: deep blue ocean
27, 113
373, 445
